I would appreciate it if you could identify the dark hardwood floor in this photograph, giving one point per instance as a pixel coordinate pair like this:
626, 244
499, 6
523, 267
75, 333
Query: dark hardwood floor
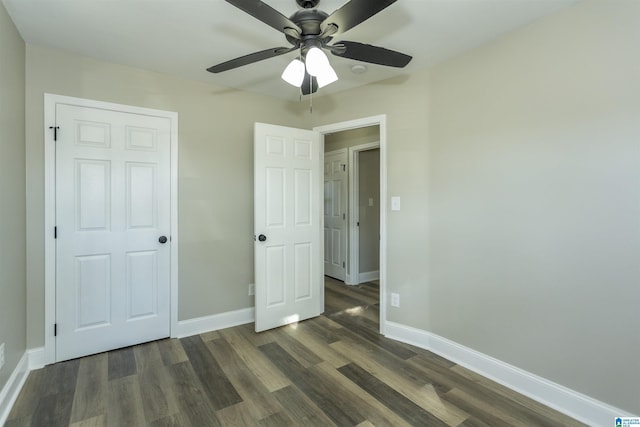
332, 370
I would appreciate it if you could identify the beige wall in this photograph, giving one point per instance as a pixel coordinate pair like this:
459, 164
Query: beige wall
369, 179
518, 165
215, 199
12, 197
351, 138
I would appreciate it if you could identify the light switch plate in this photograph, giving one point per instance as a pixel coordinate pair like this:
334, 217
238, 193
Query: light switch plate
395, 203
395, 300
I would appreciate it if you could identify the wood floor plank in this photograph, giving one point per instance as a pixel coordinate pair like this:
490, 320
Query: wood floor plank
279, 419
147, 356
215, 383
301, 408
414, 387
315, 344
236, 415
363, 329
392, 399
202, 416
18, 422
29, 396
534, 408
53, 410
185, 384
92, 387
482, 410
122, 363
124, 403
248, 386
272, 378
175, 420
294, 347
210, 336
171, 351
330, 399
98, 421
60, 377
158, 399
375, 412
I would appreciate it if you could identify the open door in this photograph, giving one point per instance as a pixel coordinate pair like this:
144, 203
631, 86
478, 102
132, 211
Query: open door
288, 243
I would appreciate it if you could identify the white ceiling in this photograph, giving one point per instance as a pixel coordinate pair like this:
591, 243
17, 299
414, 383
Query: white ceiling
184, 37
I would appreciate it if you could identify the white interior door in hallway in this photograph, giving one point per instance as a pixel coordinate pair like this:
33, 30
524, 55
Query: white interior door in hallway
288, 225
335, 214
113, 222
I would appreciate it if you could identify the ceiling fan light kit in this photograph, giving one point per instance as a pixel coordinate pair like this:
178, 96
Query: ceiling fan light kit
294, 73
310, 30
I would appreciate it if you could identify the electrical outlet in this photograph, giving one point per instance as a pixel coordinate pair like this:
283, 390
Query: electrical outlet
1, 355
252, 289
395, 300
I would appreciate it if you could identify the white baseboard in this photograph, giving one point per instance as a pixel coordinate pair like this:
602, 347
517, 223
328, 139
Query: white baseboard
368, 276
36, 358
12, 388
200, 325
583, 408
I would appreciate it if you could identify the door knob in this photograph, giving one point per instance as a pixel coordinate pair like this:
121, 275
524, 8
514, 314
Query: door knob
162, 239
262, 237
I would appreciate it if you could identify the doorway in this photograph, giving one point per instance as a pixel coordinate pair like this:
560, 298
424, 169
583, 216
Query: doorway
368, 136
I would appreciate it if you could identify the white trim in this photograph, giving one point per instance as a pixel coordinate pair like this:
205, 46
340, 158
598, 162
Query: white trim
381, 121
37, 358
368, 276
576, 405
12, 388
354, 209
215, 322
50, 101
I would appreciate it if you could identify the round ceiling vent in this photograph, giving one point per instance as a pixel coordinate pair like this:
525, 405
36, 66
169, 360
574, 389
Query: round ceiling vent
358, 69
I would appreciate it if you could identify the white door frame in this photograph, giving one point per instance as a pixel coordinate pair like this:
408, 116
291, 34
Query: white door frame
50, 101
380, 121
354, 209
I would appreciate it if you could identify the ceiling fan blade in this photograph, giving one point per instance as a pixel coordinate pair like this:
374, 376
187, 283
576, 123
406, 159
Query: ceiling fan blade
354, 13
250, 59
309, 84
372, 54
266, 14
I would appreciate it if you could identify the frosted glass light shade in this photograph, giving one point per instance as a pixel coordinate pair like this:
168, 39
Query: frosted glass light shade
319, 67
327, 76
294, 73
316, 61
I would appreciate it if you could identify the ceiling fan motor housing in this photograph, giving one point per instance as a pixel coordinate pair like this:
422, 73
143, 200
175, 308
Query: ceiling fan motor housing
307, 4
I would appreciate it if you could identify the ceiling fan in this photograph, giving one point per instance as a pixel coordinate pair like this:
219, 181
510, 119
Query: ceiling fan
310, 30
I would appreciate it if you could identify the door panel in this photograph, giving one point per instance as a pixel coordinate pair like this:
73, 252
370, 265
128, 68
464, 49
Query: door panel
287, 213
335, 214
112, 204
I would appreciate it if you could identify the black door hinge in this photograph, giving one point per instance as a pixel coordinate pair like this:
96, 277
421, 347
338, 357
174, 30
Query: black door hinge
55, 232
55, 329
344, 168
55, 132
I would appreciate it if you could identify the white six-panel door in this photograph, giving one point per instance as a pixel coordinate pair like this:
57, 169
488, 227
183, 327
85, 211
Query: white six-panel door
335, 214
288, 225
112, 208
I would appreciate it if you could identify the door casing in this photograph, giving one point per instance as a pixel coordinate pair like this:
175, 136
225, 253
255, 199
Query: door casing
381, 121
50, 102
